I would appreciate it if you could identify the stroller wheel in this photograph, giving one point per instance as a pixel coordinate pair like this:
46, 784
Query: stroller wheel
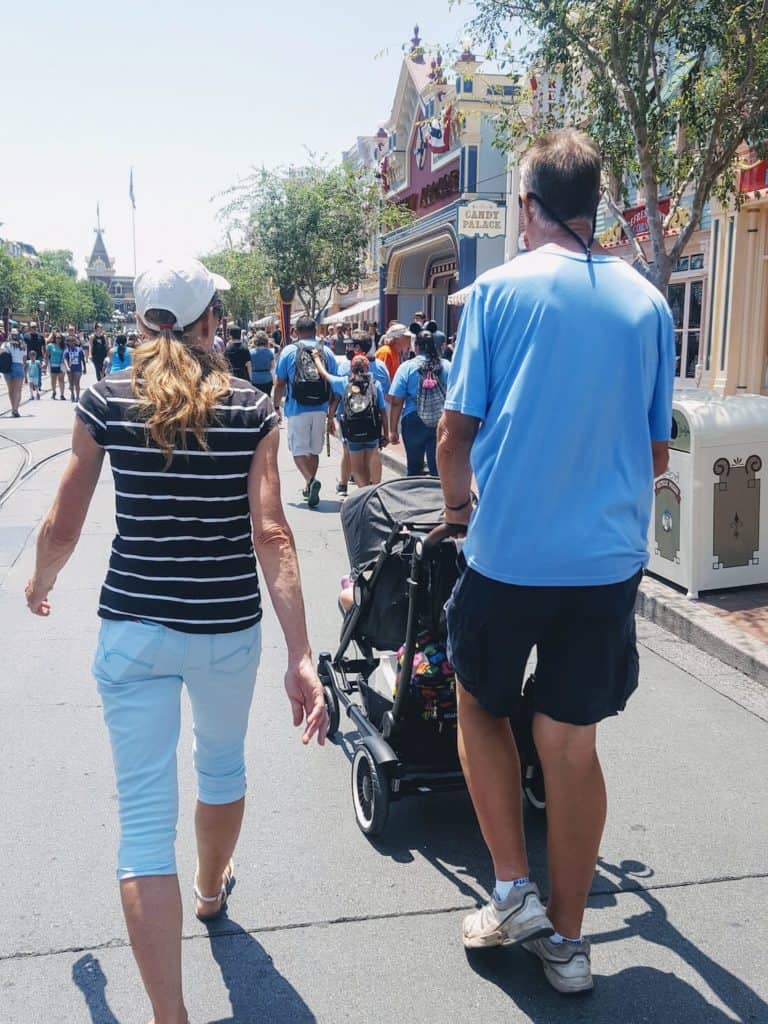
334, 715
533, 786
370, 793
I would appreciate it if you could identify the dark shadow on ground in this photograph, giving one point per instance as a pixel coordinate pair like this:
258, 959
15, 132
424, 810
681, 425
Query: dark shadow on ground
257, 990
89, 977
637, 995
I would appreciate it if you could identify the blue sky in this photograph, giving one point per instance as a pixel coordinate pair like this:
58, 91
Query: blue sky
192, 95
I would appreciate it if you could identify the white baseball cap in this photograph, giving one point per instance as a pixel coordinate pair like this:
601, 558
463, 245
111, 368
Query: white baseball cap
184, 289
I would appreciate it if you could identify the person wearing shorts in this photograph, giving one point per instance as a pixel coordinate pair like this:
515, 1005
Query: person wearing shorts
358, 345
556, 546
55, 353
14, 378
361, 454
74, 364
306, 425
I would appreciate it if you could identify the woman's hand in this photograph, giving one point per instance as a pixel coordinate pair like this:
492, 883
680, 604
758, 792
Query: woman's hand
394, 437
305, 693
37, 598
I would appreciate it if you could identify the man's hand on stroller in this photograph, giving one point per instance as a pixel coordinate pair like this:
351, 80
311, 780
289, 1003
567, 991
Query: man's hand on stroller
305, 693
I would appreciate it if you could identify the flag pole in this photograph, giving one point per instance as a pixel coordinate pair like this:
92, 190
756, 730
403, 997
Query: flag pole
132, 197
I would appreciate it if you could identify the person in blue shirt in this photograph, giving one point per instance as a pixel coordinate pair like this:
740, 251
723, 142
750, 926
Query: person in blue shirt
358, 345
361, 453
306, 424
262, 363
120, 357
560, 403
419, 438
55, 352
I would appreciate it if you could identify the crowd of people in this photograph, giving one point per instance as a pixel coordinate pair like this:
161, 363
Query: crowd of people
28, 354
193, 446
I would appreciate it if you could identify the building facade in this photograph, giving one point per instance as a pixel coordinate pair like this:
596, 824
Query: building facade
101, 268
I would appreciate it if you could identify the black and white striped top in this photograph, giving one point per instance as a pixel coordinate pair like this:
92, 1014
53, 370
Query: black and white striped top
183, 553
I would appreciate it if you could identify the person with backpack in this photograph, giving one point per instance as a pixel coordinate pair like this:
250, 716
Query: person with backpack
417, 396
307, 397
13, 366
237, 354
362, 414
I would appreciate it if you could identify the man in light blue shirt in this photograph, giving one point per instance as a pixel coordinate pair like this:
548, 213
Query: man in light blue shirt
559, 402
307, 421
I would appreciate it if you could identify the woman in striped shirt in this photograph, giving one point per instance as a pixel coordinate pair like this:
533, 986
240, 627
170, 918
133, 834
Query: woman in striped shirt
194, 459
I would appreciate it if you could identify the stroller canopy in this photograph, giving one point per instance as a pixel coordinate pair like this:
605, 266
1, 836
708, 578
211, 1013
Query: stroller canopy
369, 516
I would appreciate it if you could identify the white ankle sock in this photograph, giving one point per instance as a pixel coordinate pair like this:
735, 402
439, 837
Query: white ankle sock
557, 938
502, 889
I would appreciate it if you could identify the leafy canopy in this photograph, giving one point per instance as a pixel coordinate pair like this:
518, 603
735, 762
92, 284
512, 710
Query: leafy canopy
311, 224
670, 90
250, 296
24, 285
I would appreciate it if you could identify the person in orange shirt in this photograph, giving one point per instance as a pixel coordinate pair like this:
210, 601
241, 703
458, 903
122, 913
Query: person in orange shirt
395, 343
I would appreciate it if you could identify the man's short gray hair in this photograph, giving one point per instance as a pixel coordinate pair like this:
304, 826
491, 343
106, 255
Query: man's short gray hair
562, 168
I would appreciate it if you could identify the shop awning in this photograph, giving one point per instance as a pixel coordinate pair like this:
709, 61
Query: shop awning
265, 321
460, 297
352, 312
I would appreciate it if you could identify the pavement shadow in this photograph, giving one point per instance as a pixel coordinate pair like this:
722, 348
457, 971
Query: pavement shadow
635, 995
257, 990
442, 829
89, 977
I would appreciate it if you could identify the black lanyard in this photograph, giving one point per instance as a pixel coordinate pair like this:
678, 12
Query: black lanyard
587, 246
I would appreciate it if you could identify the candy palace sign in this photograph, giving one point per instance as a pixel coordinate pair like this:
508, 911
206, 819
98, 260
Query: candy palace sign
482, 217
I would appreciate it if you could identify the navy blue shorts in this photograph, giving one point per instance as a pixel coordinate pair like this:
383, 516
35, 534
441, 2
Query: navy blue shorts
584, 637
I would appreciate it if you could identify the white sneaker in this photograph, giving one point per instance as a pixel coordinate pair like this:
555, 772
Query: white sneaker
567, 965
519, 917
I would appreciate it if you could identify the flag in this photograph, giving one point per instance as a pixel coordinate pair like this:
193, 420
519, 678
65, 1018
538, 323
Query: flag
131, 193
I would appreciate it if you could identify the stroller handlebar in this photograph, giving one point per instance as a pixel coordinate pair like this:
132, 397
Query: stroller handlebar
440, 533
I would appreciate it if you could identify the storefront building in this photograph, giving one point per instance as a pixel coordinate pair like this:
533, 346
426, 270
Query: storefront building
435, 156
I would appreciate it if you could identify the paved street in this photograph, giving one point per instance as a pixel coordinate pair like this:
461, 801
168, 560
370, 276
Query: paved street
325, 925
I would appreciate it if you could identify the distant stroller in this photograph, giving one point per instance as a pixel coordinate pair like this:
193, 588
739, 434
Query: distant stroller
405, 562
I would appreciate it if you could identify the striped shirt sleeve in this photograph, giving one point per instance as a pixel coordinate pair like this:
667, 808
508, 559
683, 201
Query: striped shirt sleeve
92, 412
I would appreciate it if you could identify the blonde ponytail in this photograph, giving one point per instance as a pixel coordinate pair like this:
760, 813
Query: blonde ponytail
178, 387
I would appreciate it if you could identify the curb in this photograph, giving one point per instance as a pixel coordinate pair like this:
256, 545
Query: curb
691, 621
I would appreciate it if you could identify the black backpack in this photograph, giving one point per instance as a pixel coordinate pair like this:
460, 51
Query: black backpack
6, 361
360, 421
308, 387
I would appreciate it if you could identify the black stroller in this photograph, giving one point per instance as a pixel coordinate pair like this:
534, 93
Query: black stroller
405, 562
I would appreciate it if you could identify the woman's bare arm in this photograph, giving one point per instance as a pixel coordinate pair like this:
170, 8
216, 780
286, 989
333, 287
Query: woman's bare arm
275, 549
62, 525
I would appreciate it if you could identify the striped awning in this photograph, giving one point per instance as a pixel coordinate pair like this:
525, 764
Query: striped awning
460, 297
352, 312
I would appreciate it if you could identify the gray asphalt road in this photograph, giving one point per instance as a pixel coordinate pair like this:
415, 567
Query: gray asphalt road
325, 925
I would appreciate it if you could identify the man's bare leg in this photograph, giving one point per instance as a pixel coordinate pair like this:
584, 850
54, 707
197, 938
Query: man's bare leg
576, 810
307, 466
492, 769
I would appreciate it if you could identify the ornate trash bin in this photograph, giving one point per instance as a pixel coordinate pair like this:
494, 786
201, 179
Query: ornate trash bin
710, 516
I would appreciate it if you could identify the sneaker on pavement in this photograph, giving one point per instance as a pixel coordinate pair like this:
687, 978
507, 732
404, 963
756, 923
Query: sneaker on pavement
341, 490
313, 493
567, 965
518, 918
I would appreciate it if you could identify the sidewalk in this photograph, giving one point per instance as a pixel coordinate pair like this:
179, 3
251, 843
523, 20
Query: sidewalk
731, 625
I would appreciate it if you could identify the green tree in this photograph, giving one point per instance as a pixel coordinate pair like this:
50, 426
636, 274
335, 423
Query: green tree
11, 281
94, 302
57, 261
670, 90
310, 224
250, 296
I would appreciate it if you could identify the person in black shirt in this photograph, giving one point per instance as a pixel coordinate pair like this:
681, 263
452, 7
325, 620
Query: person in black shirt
35, 343
237, 354
99, 349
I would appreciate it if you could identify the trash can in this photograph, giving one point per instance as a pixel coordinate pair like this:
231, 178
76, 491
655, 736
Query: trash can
709, 519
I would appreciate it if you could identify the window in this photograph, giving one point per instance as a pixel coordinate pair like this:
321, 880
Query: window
697, 261
117, 289
686, 300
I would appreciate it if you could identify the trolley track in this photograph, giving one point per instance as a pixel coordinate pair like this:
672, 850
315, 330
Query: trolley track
27, 467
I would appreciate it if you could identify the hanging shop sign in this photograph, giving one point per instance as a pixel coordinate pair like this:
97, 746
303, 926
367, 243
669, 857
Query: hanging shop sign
637, 219
482, 217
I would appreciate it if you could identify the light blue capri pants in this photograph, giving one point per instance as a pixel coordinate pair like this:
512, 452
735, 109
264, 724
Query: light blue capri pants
140, 668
